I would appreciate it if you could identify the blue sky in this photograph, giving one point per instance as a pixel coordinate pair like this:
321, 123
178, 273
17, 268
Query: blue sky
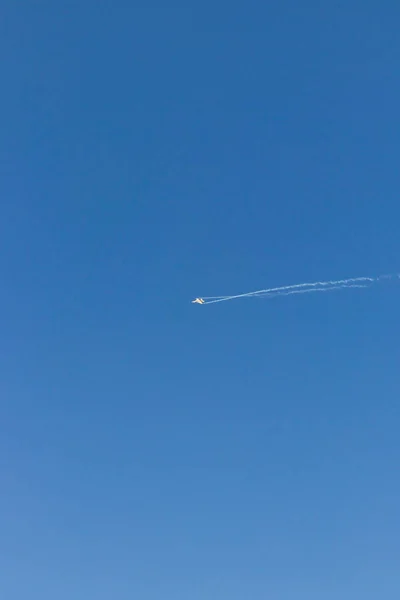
151, 448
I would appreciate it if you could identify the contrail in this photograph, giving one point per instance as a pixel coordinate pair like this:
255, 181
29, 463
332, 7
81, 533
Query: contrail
301, 288
311, 290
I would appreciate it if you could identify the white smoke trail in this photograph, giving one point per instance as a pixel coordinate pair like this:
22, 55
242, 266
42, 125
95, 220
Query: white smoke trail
303, 288
311, 290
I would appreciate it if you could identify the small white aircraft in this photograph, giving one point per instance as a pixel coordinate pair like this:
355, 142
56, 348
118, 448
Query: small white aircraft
198, 301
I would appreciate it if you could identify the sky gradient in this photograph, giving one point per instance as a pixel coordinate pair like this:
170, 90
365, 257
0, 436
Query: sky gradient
151, 448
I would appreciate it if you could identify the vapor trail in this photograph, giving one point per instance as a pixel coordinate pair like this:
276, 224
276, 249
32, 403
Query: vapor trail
301, 288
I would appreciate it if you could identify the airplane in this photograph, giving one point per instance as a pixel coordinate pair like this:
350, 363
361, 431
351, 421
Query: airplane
198, 301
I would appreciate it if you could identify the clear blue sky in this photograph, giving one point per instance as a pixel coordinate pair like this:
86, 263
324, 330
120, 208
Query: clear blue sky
151, 448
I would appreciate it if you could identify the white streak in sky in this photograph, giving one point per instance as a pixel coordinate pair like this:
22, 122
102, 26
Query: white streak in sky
303, 288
